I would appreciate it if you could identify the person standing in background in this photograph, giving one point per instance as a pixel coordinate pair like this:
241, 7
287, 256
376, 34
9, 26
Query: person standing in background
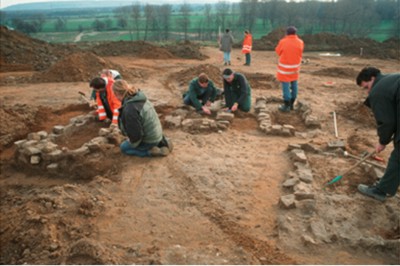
226, 46
247, 46
290, 51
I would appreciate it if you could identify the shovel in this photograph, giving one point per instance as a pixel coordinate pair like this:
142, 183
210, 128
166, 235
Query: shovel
337, 178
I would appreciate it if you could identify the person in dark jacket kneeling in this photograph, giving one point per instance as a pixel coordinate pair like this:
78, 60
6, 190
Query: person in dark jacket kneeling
139, 121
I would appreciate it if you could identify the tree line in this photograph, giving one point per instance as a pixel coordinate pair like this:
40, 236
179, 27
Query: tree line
356, 18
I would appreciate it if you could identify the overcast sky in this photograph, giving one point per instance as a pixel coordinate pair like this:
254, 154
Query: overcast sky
6, 3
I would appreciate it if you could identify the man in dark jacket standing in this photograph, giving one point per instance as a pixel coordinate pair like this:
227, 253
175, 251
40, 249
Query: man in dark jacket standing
384, 100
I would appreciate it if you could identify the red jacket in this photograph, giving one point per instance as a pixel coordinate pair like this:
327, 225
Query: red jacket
113, 102
247, 44
290, 51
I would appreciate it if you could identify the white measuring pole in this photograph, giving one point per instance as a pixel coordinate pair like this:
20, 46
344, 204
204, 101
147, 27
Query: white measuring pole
335, 124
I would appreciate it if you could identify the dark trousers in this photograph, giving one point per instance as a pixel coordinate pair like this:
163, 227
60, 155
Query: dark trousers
248, 59
391, 179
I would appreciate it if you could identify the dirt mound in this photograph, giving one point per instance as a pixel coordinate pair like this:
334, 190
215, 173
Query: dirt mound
358, 112
344, 44
28, 53
138, 48
269, 41
16, 122
337, 72
81, 66
46, 235
183, 77
351, 46
186, 50
146, 50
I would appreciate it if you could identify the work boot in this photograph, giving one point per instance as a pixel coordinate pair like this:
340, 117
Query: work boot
285, 107
157, 151
292, 103
165, 142
372, 191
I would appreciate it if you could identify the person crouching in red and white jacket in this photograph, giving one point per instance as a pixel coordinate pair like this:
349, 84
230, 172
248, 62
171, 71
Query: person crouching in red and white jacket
107, 104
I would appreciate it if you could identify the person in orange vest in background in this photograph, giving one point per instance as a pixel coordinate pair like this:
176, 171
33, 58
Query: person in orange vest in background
107, 103
247, 46
290, 51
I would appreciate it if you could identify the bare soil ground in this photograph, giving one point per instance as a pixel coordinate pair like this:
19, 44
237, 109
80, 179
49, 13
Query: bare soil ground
217, 198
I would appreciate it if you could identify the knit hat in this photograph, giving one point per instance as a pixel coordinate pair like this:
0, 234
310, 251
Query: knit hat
227, 73
291, 30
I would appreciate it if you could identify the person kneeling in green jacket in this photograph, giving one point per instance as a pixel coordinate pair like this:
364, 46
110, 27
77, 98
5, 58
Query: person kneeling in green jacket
202, 92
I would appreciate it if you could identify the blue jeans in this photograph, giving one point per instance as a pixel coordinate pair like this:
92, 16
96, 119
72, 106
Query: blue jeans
227, 57
289, 90
143, 150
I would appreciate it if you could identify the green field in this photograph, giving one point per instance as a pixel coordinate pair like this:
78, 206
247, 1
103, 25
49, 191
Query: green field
75, 24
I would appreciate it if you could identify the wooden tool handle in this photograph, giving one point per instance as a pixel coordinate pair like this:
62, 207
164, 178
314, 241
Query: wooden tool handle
359, 162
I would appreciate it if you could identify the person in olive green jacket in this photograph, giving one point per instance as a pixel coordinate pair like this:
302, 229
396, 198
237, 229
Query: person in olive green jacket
138, 120
384, 100
202, 92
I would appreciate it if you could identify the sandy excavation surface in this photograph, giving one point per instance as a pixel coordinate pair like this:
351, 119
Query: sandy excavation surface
233, 195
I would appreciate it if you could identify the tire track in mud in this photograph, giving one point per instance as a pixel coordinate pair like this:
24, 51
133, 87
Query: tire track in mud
262, 251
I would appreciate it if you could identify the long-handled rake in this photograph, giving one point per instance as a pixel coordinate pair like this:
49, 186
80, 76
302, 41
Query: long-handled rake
337, 178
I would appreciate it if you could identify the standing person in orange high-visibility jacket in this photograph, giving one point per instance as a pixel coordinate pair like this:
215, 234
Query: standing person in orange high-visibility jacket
107, 104
290, 52
247, 46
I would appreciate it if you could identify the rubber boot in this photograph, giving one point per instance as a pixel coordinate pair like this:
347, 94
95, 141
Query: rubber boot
285, 107
292, 103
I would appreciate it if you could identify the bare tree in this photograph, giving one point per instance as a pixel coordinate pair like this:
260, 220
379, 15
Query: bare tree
60, 24
208, 21
184, 20
136, 19
149, 16
248, 13
38, 21
165, 20
121, 14
222, 12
